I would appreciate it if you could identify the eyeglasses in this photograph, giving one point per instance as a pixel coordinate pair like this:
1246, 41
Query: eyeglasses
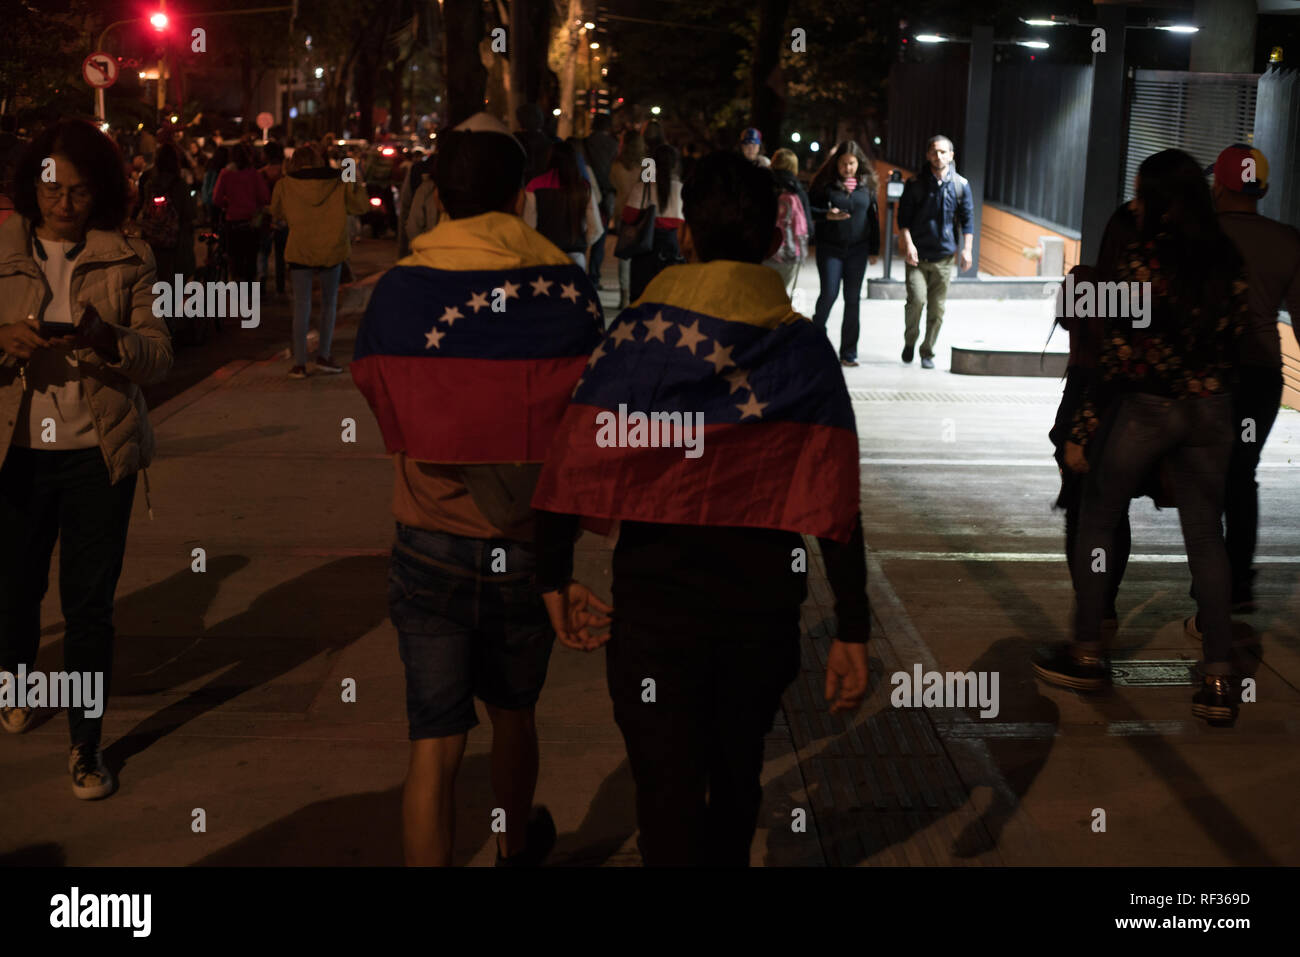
80, 195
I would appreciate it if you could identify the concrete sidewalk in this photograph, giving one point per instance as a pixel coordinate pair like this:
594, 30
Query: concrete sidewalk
227, 693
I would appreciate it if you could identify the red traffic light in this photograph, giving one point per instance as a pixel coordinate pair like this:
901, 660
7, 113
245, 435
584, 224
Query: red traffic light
159, 21
376, 201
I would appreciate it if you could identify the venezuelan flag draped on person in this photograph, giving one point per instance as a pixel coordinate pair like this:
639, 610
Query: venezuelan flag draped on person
716, 343
470, 347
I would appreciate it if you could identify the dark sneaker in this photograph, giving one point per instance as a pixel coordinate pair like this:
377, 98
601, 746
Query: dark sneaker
1216, 701
1063, 666
91, 779
298, 372
541, 840
908, 353
327, 365
16, 720
927, 363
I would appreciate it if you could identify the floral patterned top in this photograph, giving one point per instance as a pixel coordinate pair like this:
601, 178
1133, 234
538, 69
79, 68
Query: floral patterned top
1185, 352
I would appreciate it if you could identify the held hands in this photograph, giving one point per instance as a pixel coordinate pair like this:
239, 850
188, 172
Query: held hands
846, 676
574, 611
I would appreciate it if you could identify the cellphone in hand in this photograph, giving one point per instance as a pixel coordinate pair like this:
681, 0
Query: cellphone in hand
55, 330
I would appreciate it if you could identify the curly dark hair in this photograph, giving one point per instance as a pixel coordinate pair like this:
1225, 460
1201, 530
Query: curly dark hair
98, 161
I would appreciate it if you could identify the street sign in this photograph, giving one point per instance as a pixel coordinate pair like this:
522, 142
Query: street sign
264, 122
99, 70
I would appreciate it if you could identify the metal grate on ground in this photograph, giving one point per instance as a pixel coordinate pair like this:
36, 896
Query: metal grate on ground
882, 788
967, 398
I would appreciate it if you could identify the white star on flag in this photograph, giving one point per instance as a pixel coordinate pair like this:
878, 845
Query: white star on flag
569, 291
451, 315
433, 338
477, 301
542, 286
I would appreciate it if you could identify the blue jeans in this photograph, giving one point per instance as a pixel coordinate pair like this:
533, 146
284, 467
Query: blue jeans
466, 628
329, 301
1194, 437
833, 267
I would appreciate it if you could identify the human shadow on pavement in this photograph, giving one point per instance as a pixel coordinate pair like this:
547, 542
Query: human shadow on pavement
888, 783
609, 822
35, 855
1215, 818
162, 643
361, 830
365, 830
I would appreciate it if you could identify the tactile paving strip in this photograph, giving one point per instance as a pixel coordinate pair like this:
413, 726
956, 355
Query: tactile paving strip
882, 788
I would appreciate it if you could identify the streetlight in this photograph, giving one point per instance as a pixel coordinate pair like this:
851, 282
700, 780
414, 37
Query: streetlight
794, 137
654, 110
589, 25
815, 146
930, 38
159, 21
1180, 28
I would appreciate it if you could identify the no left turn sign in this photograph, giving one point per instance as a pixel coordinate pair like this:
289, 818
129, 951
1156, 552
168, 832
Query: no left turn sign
99, 70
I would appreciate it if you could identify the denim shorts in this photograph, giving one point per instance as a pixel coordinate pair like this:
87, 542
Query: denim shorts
470, 623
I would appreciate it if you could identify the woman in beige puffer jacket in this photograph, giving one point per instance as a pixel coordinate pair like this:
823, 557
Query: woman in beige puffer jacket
74, 428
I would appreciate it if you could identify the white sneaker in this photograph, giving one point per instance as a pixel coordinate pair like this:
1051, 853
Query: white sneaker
91, 779
16, 720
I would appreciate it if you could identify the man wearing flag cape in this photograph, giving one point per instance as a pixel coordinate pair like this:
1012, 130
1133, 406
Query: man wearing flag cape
712, 423
467, 354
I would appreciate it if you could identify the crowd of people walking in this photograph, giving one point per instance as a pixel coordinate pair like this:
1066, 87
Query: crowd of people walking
710, 250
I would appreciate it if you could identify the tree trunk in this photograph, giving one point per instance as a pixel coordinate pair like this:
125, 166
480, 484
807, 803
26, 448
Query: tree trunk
572, 25
365, 89
537, 82
767, 106
465, 77
521, 53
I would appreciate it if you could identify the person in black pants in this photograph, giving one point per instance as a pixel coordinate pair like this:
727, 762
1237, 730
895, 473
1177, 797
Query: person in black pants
847, 218
76, 430
1271, 251
710, 611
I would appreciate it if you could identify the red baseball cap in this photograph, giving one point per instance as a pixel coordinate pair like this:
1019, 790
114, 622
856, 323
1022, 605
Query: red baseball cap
1242, 169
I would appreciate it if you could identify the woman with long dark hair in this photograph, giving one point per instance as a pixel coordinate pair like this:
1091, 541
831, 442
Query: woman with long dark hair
665, 194
847, 218
560, 205
1162, 390
78, 337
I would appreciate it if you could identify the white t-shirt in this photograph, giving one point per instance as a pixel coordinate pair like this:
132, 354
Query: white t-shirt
54, 413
